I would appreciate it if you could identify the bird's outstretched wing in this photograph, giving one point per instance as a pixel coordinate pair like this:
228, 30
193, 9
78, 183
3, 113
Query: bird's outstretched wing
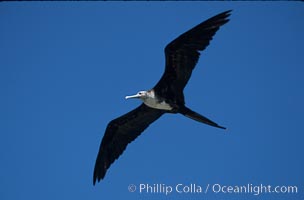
119, 133
182, 55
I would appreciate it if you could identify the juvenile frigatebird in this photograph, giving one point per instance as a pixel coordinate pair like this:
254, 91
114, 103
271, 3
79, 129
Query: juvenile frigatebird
167, 96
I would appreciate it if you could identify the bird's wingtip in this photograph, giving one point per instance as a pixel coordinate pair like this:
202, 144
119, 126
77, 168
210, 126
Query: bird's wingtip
96, 180
228, 11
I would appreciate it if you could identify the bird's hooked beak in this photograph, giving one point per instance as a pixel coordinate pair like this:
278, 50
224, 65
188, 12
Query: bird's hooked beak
133, 96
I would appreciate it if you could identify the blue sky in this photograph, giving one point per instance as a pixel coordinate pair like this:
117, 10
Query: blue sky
66, 67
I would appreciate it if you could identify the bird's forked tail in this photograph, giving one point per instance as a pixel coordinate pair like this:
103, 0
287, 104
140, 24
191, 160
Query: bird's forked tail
197, 117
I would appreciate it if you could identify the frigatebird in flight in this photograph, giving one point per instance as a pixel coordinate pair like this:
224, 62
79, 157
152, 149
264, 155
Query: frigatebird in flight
167, 96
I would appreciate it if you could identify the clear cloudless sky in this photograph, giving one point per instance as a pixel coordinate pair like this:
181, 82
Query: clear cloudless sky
65, 68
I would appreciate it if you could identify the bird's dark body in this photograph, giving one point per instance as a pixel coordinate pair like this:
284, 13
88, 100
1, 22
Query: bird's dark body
182, 54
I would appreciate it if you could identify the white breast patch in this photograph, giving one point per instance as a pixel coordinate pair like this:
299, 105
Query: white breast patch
153, 103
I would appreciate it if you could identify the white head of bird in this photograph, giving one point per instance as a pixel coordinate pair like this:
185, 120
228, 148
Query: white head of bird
141, 95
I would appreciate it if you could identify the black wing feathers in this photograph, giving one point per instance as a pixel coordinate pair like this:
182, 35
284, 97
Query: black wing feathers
182, 55
119, 133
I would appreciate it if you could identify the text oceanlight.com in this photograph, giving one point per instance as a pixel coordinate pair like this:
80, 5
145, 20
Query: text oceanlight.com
192, 188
